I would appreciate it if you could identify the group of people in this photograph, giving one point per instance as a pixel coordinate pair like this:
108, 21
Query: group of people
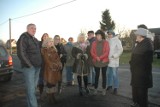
43, 63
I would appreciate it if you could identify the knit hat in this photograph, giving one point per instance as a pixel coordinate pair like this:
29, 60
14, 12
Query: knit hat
142, 32
111, 32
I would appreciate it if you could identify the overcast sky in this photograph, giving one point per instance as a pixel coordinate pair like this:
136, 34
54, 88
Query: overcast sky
68, 20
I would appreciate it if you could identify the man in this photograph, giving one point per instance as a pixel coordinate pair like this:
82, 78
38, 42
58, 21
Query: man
28, 51
141, 68
91, 76
116, 50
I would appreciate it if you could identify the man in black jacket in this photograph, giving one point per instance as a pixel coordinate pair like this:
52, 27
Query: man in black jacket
28, 51
141, 68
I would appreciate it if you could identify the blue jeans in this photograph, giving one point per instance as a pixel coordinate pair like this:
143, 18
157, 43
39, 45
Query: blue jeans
69, 73
112, 77
31, 76
91, 76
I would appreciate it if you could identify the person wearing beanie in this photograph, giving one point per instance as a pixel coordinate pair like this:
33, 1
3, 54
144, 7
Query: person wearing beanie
116, 50
141, 68
99, 52
80, 52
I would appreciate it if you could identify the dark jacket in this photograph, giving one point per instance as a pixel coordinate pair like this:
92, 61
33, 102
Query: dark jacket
141, 64
62, 51
81, 64
28, 51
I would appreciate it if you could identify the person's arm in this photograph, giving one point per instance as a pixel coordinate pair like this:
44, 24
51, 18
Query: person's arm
23, 44
93, 53
119, 50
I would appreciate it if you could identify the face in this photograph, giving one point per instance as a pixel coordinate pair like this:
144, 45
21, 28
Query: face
90, 35
139, 38
57, 40
45, 36
50, 43
82, 39
99, 37
70, 40
31, 30
110, 35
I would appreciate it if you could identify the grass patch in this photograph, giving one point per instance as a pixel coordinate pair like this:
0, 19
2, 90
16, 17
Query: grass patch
126, 56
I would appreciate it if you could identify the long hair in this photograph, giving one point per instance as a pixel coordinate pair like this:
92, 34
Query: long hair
81, 35
43, 36
45, 43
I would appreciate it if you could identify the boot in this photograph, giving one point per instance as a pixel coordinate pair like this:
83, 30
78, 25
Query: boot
79, 79
41, 87
59, 87
109, 88
53, 99
85, 79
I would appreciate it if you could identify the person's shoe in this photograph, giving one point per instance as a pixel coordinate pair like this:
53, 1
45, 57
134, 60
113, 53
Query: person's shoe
104, 92
115, 91
87, 90
134, 104
109, 88
80, 92
95, 92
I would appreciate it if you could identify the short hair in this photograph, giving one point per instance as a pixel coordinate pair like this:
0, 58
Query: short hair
70, 38
31, 24
91, 31
142, 26
57, 36
101, 33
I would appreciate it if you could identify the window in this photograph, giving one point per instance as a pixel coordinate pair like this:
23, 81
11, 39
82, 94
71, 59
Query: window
2, 52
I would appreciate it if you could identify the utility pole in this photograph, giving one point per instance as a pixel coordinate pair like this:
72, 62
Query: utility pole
10, 36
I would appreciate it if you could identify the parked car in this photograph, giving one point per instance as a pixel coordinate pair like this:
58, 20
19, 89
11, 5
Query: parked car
6, 64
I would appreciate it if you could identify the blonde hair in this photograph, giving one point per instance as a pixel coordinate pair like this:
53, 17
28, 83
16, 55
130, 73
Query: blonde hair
45, 43
81, 35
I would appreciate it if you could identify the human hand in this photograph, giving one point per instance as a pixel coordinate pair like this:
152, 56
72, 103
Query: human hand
98, 59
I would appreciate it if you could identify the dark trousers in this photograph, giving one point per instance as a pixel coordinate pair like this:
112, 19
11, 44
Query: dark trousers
97, 71
140, 96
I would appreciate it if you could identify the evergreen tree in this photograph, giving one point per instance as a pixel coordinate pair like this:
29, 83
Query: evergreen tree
107, 23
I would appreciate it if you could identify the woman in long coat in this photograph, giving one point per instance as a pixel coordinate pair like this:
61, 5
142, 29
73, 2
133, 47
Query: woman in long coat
141, 68
52, 67
80, 52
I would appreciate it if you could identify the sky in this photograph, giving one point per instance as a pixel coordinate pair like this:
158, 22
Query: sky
68, 20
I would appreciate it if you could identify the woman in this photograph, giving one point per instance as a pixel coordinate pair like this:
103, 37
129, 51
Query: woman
41, 81
62, 54
100, 52
141, 68
116, 50
69, 63
52, 67
80, 52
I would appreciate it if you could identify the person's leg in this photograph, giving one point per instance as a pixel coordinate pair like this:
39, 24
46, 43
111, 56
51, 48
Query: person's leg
67, 74
85, 79
143, 97
37, 71
115, 79
97, 71
104, 77
60, 83
79, 79
93, 75
109, 78
41, 82
90, 76
134, 96
30, 84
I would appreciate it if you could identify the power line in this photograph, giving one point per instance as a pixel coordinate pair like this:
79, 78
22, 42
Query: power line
44, 10
4, 22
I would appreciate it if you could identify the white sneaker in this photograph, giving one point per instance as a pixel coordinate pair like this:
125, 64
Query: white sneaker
95, 92
104, 92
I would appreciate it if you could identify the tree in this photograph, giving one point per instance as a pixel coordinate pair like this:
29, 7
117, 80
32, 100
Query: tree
107, 23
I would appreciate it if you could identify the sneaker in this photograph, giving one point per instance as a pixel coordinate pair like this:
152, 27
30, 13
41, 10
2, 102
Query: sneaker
109, 88
115, 91
95, 92
104, 92
134, 105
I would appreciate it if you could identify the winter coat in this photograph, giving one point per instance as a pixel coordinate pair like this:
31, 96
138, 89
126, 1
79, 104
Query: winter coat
28, 51
90, 61
105, 52
141, 64
81, 64
116, 50
70, 59
52, 65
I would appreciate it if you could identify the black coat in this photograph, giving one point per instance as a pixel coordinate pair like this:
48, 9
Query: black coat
28, 51
141, 64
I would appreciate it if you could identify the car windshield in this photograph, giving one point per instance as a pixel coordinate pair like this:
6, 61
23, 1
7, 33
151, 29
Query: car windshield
2, 52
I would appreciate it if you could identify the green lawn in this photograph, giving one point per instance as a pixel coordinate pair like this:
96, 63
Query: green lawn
125, 57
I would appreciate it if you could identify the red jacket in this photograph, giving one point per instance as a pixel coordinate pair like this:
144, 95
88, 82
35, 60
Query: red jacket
104, 56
